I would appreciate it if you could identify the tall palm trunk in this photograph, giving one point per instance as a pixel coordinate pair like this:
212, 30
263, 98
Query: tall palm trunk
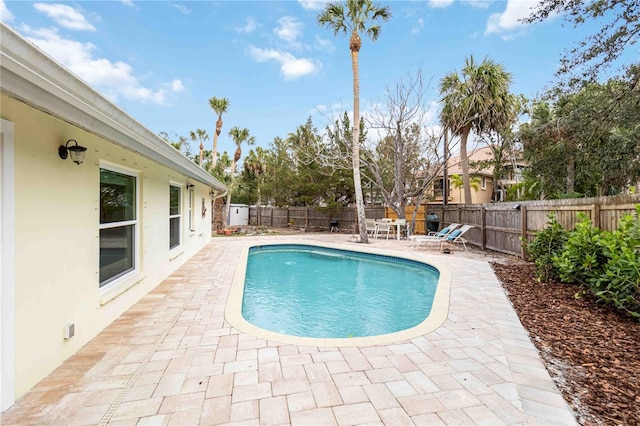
228, 204
214, 153
445, 172
355, 44
398, 184
466, 183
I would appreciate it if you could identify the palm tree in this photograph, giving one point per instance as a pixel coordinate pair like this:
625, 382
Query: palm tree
457, 182
255, 165
359, 16
219, 106
479, 101
239, 136
202, 136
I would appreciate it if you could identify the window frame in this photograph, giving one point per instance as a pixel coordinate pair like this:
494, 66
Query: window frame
125, 275
484, 182
438, 187
179, 216
192, 209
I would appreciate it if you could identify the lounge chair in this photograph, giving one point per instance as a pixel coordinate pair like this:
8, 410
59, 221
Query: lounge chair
451, 227
456, 237
432, 236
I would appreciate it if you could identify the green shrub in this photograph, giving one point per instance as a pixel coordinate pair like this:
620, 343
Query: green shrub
619, 285
582, 258
544, 247
606, 264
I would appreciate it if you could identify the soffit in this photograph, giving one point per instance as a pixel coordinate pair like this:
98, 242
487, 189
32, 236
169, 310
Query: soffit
31, 76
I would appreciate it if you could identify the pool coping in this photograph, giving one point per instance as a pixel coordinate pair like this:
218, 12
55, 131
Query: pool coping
437, 316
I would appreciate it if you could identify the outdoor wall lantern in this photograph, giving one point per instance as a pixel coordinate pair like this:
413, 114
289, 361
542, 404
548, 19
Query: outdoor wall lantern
77, 152
190, 186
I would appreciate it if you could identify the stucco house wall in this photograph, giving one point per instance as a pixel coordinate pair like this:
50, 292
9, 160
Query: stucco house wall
480, 166
481, 196
56, 216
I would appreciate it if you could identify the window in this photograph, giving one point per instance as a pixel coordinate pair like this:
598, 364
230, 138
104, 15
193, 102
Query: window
118, 224
484, 182
437, 187
175, 215
192, 210
518, 174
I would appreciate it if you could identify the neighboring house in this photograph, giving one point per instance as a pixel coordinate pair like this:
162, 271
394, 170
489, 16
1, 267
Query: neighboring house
81, 243
479, 166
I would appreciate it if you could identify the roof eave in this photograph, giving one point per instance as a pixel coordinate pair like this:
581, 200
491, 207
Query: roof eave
33, 77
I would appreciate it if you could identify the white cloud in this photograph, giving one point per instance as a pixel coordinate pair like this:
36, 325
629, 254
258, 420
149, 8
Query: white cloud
507, 23
127, 2
336, 108
5, 15
418, 27
440, 4
250, 26
65, 16
114, 79
324, 44
290, 66
478, 4
184, 9
289, 29
313, 4
176, 86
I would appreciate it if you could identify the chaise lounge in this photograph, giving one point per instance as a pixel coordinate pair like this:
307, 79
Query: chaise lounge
456, 237
417, 240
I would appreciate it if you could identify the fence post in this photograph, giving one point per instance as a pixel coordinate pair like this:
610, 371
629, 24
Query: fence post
459, 214
523, 226
483, 226
595, 215
306, 217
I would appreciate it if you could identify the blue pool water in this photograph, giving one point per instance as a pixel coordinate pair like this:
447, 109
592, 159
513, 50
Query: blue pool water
311, 291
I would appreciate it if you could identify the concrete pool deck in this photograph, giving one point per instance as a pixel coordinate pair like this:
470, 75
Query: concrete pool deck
174, 359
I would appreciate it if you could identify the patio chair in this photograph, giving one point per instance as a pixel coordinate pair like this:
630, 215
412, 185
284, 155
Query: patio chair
416, 240
384, 226
456, 237
372, 228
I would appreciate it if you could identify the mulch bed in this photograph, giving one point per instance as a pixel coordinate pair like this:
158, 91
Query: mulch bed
591, 351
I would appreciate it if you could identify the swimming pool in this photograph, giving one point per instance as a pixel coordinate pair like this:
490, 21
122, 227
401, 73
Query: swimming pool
318, 292
327, 296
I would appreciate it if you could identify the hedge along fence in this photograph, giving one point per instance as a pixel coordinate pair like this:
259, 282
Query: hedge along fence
499, 226
310, 218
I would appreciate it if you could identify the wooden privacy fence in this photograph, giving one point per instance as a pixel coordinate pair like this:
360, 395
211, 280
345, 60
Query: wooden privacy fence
309, 218
499, 226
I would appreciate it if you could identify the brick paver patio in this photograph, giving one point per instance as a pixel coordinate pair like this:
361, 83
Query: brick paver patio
173, 359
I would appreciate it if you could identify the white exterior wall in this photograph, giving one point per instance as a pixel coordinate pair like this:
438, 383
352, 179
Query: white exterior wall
57, 238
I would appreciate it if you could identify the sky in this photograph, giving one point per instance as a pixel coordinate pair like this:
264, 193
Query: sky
161, 61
